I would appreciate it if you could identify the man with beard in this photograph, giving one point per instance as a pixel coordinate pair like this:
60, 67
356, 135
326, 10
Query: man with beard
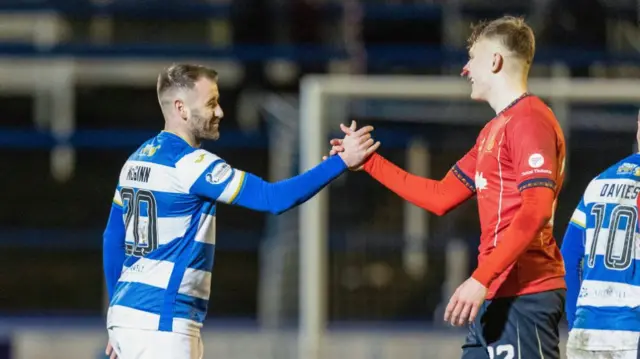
160, 237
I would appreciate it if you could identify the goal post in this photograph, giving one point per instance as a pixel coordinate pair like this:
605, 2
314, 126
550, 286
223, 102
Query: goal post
315, 90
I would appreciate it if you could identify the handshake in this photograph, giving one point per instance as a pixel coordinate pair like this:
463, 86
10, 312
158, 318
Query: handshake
355, 147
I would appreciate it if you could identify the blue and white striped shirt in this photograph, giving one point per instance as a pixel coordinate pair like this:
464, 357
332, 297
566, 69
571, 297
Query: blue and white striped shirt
166, 203
601, 250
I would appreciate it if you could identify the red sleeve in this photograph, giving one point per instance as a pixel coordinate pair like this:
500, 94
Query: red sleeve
533, 215
465, 168
437, 197
533, 147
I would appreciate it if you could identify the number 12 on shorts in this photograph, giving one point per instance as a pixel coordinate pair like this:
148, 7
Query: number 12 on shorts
502, 351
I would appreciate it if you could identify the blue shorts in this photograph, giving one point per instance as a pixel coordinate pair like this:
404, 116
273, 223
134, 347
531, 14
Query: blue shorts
517, 327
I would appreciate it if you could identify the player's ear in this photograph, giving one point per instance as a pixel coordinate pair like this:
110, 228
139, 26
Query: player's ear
497, 62
181, 108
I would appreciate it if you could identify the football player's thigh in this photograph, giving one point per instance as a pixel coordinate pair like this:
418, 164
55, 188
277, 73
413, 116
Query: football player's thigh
627, 354
145, 344
166, 345
523, 327
128, 343
498, 339
580, 354
494, 334
590, 354
513, 342
534, 320
474, 346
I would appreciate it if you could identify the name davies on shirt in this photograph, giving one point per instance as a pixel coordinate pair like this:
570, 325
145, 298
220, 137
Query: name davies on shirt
621, 190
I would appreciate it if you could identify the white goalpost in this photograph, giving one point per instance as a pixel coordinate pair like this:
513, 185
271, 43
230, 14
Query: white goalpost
315, 90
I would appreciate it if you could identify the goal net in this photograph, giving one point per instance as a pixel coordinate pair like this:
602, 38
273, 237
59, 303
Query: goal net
376, 271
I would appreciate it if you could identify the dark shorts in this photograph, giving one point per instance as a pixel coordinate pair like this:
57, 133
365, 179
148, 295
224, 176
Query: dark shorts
517, 327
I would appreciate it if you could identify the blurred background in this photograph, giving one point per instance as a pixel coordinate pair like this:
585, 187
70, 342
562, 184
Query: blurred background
77, 96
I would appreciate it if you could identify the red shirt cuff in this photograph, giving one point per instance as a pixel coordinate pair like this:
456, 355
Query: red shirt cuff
483, 276
370, 162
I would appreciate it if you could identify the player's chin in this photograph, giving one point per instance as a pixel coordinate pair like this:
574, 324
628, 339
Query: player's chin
476, 96
213, 135
210, 135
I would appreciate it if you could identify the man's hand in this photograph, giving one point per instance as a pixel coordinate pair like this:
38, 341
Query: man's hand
359, 142
465, 303
110, 351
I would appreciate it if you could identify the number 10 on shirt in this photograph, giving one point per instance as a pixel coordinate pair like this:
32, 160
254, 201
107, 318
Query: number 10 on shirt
627, 216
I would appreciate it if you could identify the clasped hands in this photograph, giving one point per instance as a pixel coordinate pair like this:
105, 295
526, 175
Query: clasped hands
354, 149
356, 146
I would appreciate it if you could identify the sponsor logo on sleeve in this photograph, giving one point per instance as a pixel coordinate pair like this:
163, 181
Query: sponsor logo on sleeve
536, 160
220, 173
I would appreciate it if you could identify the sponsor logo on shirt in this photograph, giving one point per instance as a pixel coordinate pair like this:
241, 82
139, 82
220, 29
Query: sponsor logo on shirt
627, 168
530, 172
481, 182
220, 173
149, 150
200, 158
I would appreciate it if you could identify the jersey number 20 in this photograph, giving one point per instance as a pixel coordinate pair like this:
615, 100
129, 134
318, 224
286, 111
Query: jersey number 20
623, 259
145, 228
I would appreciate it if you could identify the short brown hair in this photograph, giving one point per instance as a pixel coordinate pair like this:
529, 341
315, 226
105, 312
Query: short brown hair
513, 32
183, 76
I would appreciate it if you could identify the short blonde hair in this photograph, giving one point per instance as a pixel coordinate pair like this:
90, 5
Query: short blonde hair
513, 32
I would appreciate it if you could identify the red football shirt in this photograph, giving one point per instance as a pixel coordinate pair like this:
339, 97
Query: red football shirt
522, 147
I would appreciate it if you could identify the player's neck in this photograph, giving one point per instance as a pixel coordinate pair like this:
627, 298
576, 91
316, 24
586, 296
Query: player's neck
188, 137
505, 94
